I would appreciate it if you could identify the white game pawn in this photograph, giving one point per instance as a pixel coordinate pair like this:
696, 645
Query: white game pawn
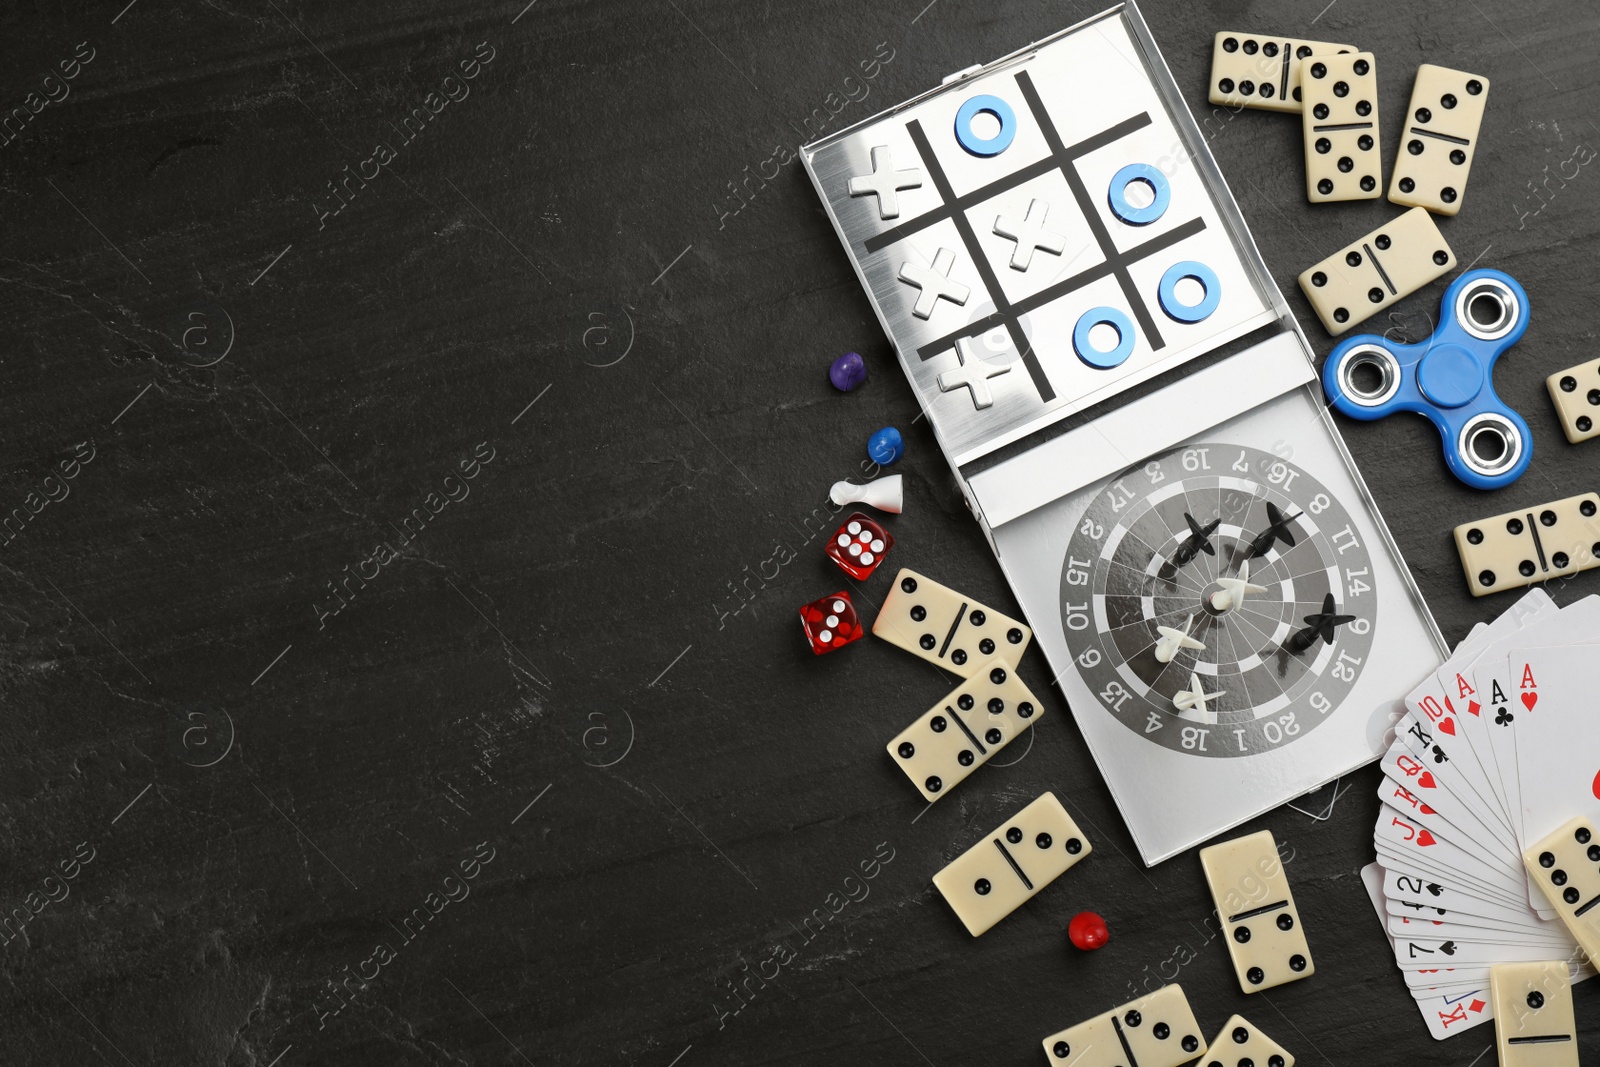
935, 283
1173, 640
1193, 697
885, 494
1231, 595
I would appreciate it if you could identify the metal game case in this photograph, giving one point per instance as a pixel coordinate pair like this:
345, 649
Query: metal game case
1048, 235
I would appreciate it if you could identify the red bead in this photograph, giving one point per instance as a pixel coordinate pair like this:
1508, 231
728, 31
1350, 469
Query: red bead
831, 623
1088, 931
859, 545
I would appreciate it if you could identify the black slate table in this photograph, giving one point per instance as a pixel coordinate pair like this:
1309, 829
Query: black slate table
410, 674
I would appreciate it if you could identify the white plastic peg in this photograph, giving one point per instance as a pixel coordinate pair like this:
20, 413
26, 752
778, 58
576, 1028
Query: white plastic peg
1232, 591
885, 494
1174, 640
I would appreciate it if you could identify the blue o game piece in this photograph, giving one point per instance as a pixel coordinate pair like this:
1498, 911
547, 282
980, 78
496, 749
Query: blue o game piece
985, 146
886, 446
1085, 348
1448, 378
1168, 291
847, 372
1118, 194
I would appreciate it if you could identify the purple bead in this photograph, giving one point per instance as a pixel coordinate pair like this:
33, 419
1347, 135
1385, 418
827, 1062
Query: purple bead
847, 372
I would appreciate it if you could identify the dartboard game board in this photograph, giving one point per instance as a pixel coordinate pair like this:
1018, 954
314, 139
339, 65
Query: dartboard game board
1306, 621
1205, 570
1251, 566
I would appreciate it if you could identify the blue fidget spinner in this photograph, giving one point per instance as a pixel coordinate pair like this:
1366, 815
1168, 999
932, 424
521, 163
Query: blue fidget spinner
1449, 378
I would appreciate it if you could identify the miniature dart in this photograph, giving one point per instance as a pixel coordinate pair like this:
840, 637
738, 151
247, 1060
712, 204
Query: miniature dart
1233, 590
1323, 624
1173, 640
1199, 540
1194, 697
1277, 530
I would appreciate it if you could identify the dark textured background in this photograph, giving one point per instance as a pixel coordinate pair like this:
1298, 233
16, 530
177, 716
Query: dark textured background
567, 235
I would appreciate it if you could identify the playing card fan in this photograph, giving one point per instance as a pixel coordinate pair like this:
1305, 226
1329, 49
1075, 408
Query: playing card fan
1488, 853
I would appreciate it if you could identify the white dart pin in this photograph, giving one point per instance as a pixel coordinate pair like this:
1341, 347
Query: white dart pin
1173, 640
1231, 595
885, 494
1193, 697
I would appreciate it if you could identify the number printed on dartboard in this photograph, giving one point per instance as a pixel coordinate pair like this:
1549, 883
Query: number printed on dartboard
1218, 600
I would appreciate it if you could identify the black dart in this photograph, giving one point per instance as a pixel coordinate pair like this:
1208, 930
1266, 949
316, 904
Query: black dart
1323, 624
1277, 530
1199, 540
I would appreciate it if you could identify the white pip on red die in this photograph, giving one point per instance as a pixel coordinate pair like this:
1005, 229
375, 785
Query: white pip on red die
859, 546
831, 623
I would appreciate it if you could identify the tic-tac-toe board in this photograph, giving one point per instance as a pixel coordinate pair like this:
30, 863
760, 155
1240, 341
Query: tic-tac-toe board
1034, 238
1202, 564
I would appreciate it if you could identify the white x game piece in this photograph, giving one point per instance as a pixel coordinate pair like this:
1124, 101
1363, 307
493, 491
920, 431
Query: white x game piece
934, 282
885, 182
973, 374
1030, 234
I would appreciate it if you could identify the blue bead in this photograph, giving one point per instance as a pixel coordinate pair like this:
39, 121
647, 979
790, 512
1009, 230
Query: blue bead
847, 372
886, 446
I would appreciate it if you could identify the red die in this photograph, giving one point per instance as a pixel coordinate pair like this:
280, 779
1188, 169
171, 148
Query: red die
831, 623
859, 546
